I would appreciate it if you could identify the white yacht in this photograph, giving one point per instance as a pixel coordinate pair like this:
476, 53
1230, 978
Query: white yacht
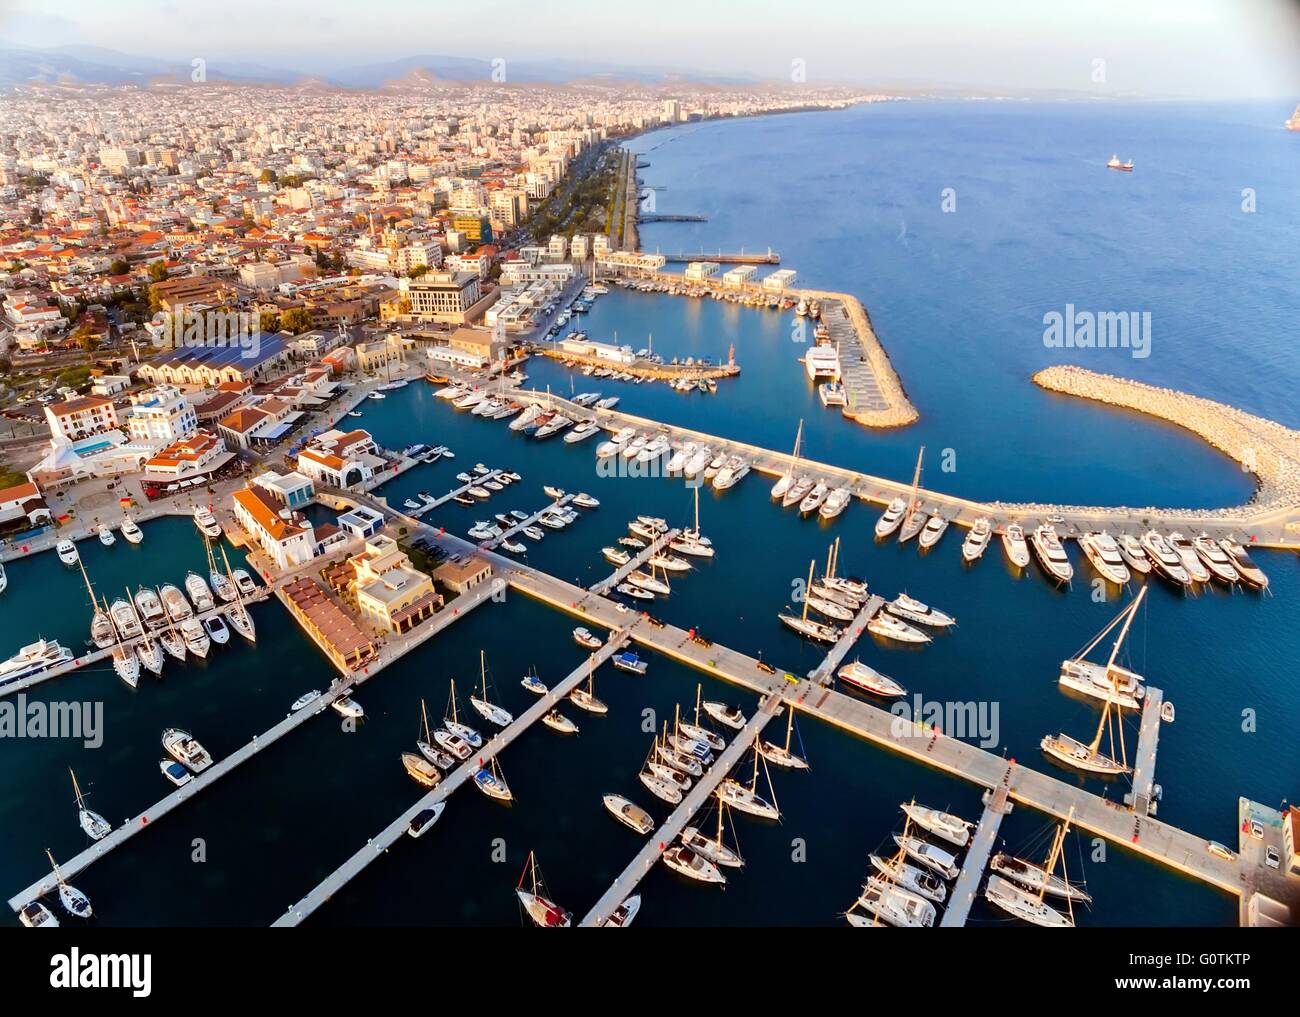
216, 629
977, 540
67, 552
36, 915
183, 748
1103, 552
889, 627
1250, 573
1164, 559
106, 536
661, 789
914, 611
125, 620
95, 826
1035, 878
724, 714
811, 628
421, 770
936, 858
683, 860
1107, 682
893, 905
1130, 548
891, 519
543, 911
911, 877
33, 659
1013, 543
174, 603
836, 502
1051, 555
1215, 559
932, 531
196, 638
813, 500
199, 592
870, 680
150, 608
1190, 559
945, 825
1021, 903
206, 522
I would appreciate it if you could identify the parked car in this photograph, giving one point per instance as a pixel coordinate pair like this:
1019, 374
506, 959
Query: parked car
1271, 858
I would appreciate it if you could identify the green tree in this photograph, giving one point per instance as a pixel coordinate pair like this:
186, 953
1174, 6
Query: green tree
418, 271
158, 271
296, 320
118, 267
268, 321
268, 176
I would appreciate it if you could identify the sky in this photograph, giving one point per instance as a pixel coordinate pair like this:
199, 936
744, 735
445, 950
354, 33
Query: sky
1202, 48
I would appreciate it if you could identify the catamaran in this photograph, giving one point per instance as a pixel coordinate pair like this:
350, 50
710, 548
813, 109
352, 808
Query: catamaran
483, 704
543, 912
977, 540
95, 826
1106, 682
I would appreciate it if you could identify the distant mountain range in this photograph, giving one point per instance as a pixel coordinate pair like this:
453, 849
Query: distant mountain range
95, 65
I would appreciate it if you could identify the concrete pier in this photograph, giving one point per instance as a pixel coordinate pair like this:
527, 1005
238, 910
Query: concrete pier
978, 852
1142, 798
643, 556
824, 673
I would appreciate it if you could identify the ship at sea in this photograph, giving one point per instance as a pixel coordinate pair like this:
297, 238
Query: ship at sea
1294, 123
1123, 167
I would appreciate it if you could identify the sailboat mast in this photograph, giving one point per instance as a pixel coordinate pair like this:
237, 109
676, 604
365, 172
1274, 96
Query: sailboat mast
808, 588
789, 727
916, 480
1124, 631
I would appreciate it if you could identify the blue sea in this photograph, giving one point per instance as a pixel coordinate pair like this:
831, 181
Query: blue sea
852, 201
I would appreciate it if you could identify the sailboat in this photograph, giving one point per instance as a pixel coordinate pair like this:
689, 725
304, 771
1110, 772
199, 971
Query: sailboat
783, 484
238, 616
453, 724
102, 633
585, 699
125, 662
543, 911
489, 710
746, 799
713, 848
1089, 757
781, 755
914, 521
426, 744
95, 825
73, 900
1029, 906
488, 779
1109, 682
690, 541
902, 896
806, 626
697, 731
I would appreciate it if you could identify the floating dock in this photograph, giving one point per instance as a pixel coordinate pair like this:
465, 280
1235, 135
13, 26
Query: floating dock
978, 852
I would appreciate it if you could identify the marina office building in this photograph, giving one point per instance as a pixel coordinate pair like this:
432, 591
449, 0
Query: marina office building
286, 537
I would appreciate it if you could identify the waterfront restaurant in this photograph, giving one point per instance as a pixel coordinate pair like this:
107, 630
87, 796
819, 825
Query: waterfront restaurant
329, 625
391, 595
463, 576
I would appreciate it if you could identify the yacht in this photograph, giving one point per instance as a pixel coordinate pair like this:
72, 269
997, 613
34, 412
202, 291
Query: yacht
453, 743
944, 825
661, 789
744, 799
913, 523
891, 519
1082, 756
421, 770
647, 582
977, 540
683, 860
303, 700
910, 877
216, 629
1021, 903
889, 627
1164, 559
1134, 555
628, 661
95, 826
150, 608
584, 638
1190, 559
102, 633
125, 620
1051, 555
1013, 543
729, 716
131, 530
346, 706
67, 552
36, 915
174, 603
914, 611
199, 592
797, 491
936, 858
1215, 559
828, 606
1102, 550
891, 904
206, 522
1035, 878
586, 501
670, 563
222, 585
1114, 163
525, 419
615, 555
183, 748
814, 499
870, 680
543, 912
196, 637
33, 659
629, 814
932, 531
1250, 573
1109, 682
106, 536
835, 503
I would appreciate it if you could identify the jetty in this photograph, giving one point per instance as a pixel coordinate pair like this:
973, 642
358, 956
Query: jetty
655, 547
978, 852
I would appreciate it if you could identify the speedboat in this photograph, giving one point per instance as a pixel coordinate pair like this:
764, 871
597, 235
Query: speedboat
1190, 559
1250, 573
67, 552
1215, 559
584, 500
944, 825
533, 532
870, 680
629, 814
889, 627
932, 531
1165, 560
936, 858
891, 519
346, 706
1103, 552
557, 721
683, 860
106, 536
914, 611
423, 820
724, 714
615, 555
303, 700
1051, 555
216, 629
185, 749
36, 915
174, 772
977, 540
1013, 543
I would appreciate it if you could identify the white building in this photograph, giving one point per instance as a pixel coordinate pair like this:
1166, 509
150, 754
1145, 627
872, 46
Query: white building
779, 281
286, 537
698, 271
739, 276
161, 416
81, 417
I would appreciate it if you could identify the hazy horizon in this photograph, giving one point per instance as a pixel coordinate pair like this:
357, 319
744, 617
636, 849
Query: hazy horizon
1176, 48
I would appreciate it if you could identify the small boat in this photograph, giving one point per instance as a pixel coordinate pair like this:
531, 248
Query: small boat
836, 502
488, 779
783, 755
914, 611
481, 493
683, 860
977, 540
615, 556
4, 580
533, 532
628, 661
635, 592
1051, 554
670, 563
514, 546
584, 500
557, 721
186, 750
553, 492
242, 622
624, 913
724, 714
346, 706
453, 723
645, 581
216, 629
1250, 573
1013, 543
244, 582
196, 638
175, 772
106, 536
423, 820
67, 552
534, 684
889, 627
36, 915
944, 825
585, 698
936, 858
487, 709
636, 543
453, 743
870, 680
421, 770
932, 531
543, 912
303, 700
812, 629
584, 637
661, 789
95, 826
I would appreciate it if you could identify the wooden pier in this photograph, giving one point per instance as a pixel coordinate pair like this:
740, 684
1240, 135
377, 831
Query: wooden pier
429, 506
387, 837
978, 852
695, 799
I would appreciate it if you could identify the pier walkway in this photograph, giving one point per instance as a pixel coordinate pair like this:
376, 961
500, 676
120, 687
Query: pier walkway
496, 542
978, 853
1144, 796
695, 799
643, 556
387, 837
824, 673
429, 506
